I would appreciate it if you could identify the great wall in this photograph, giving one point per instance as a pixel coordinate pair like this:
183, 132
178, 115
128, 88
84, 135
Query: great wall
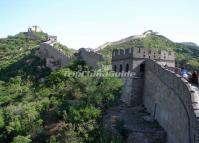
173, 102
170, 99
56, 58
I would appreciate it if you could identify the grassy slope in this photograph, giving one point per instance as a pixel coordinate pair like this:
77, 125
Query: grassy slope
14, 48
185, 54
17, 56
18, 60
64, 49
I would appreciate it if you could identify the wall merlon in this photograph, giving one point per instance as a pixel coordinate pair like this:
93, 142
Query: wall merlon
141, 54
120, 54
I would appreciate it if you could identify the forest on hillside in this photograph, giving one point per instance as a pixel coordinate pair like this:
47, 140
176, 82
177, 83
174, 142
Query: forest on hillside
43, 106
39, 105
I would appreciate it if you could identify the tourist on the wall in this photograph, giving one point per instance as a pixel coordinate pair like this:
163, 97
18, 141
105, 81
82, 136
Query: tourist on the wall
194, 77
189, 76
177, 71
198, 79
184, 73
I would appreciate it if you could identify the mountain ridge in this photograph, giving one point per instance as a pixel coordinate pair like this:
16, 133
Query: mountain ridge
143, 35
129, 38
190, 44
187, 54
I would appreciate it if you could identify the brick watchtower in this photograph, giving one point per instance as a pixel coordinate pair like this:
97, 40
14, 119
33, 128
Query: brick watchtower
132, 59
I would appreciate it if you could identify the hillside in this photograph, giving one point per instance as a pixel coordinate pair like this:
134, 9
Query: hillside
16, 47
17, 54
190, 44
64, 49
186, 54
40, 105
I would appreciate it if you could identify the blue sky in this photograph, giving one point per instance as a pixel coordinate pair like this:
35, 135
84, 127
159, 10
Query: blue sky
90, 23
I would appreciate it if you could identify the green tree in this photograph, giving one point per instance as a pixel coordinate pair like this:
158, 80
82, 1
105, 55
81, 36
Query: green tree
22, 139
1, 119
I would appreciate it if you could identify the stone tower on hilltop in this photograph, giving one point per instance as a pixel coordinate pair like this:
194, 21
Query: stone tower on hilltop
132, 59
34, 29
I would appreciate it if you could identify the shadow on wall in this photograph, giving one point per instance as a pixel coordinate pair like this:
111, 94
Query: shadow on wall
174, 102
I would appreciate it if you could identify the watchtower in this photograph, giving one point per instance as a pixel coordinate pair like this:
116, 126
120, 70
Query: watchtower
132, 59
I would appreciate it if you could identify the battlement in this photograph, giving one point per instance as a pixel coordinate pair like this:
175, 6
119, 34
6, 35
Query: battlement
122, 54
143, 53
132, 58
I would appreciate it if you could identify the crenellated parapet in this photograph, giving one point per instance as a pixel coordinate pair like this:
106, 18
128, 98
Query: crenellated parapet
132, 58
143, 53
120, 54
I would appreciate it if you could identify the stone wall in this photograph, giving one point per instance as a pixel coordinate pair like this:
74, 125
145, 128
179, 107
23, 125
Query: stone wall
134, 57
132, 90
126, 91
173, 104
91, 58
154, 54
122, 64
54, 57
137, 90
